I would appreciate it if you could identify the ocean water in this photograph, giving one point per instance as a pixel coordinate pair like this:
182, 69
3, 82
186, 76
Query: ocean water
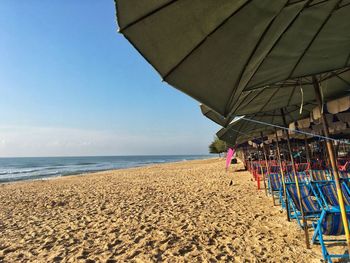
33, 168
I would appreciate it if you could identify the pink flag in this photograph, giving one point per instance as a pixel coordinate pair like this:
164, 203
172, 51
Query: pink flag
229, 156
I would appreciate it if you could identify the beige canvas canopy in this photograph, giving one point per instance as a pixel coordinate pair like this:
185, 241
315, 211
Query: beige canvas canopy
215, 50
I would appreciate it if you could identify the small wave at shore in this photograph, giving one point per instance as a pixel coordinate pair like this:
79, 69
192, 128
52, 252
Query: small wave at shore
17, 169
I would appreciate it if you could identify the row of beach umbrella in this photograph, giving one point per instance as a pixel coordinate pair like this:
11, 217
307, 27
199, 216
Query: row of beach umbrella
256, 66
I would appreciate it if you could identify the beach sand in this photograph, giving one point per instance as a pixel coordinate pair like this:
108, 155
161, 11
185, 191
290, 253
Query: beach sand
174, 212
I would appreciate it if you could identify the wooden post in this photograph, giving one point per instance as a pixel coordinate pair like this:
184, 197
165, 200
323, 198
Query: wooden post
331, 154
305, 227
282, 174
266, 162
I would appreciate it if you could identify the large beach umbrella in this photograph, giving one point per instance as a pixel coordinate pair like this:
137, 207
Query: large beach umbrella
215, 50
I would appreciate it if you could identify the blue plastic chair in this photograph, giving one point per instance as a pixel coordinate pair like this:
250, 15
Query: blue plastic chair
302, 177
320, 175
328, 194
312, 207
275, 187
329, 224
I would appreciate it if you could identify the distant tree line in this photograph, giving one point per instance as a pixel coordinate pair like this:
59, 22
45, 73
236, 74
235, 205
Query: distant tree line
218, 146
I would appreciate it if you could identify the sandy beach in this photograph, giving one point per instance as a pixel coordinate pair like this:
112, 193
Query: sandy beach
174, 212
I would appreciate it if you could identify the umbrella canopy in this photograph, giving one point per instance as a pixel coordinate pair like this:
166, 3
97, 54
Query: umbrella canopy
215, 50
214, 116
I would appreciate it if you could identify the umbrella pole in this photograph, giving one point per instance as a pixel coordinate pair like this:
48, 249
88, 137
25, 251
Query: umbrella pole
326, 153
282, 174
266, 162
251, 163
261, 171
259, 167
331, 154
337, 150
305, 227
245, 158
307, 150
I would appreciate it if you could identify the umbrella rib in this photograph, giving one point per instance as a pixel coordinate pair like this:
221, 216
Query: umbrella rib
244, 125
146, 15
273, 117
254, 128
344, 5
222, 119
320, 2
288, 113
238, 129
295, 2
345, 81
251, 130
314, 38
321, 72
277, 41
267, 102
204, 39
291, 82
243, 100
257, 94
347, 62
253, 116
306, 108
334, 73
261, 38
341, 71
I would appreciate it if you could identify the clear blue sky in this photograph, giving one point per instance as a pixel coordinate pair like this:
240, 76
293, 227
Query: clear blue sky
71, 85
